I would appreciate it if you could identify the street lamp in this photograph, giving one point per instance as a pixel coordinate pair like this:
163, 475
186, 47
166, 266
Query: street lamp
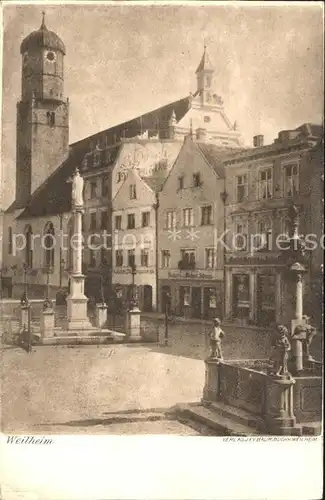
24, 299
167, 306
133, 301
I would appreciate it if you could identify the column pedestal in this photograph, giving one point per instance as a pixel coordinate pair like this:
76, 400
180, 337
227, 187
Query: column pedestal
77, 318
47, 323
101, 315
132, 325
279, 416
211, 391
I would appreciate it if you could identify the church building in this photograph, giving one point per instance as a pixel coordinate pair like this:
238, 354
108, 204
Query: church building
37, 226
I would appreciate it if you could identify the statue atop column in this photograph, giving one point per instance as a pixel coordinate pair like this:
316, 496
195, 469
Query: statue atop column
77, 189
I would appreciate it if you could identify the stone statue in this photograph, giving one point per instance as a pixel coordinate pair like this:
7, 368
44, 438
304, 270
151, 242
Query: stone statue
310, 334
216, 335
77, 189
281, 347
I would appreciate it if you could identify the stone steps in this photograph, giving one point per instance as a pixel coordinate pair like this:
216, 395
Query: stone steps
238, 415
214, 420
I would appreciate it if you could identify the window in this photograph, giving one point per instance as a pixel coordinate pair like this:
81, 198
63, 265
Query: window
104, 220
50, 116
131, 221
181, 182
286, 226
133, 192
206, 215
187, 259
188, 217
209, 258
97, 158
242, 188
145, 219
93, 221
165, 258
144, 257
104, 186
104, 256
264, 231
170, 219
92, 258
240, 240
291, 180
186, 295
131, 258
197, 179
49, 243
93, 189
208, 81
118, 258
118, 222
10, 240
265, 184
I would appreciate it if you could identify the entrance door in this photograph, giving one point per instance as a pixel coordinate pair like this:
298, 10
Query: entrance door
147, 298
196, 302
240, 303
165, 293
265, 299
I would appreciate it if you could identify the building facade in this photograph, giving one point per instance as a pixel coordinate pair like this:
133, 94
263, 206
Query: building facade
45, 164
261, 184
191, 216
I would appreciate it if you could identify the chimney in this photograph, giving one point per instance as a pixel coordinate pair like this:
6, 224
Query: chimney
258, 141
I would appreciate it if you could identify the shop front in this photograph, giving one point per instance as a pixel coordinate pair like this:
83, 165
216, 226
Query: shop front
144, 287
194, 294
254, 295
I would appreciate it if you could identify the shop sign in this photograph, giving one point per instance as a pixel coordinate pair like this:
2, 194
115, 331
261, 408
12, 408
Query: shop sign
128, 271
190, 275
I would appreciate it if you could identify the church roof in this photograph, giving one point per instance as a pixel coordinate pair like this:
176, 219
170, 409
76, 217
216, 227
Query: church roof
215, 156
42, 38
205, 63
54, 195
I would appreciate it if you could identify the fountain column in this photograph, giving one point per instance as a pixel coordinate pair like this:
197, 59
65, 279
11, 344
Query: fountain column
77, 318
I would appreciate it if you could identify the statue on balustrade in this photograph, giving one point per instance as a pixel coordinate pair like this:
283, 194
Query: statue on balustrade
281, 347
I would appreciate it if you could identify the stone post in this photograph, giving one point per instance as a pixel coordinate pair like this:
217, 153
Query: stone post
24, 315
132, 325
279, 416
47, 322
101, 315
211, 391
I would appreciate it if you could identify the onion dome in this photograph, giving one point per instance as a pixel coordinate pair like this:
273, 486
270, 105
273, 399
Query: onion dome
42, 38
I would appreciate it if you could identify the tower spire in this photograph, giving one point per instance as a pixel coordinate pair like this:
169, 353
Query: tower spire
43, 26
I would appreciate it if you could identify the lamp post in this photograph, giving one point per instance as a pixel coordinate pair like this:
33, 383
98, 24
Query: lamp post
133, 301
167, 306
24, 298
48, 301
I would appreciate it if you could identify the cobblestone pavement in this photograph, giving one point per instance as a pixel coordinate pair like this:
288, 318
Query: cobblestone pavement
111, 389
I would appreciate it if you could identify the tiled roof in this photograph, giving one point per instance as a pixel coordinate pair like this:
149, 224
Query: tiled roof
216, 155
155, 183
54, 195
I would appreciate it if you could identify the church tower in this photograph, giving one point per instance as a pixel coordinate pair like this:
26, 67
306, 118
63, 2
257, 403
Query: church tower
204, 76
42, 113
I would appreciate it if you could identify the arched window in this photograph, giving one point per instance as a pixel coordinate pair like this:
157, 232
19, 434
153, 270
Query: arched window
29, 246
10, 240
264, 233
50, 115
286, 226
49, 244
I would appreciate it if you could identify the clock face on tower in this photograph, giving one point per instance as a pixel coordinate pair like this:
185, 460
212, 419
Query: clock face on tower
50, 56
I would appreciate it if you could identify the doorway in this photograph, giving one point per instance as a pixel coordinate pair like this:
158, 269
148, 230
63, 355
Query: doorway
240, 301
165, 294
196, 302
265, 299
147, 298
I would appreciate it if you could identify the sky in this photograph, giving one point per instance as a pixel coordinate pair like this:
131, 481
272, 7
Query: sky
123, 60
